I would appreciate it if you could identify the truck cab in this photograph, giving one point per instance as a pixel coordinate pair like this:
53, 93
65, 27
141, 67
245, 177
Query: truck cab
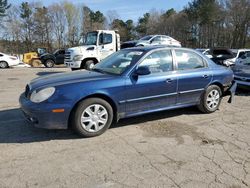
98, 45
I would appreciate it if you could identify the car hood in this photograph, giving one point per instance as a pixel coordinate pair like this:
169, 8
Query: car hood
131, 42
81, 49
242, 70
67, 78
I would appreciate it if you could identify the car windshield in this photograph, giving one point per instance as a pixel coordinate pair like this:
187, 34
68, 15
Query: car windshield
146, 38
118, 62
91, 38
55, 52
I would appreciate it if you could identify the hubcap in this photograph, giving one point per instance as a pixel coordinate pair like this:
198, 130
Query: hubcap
2, 64
49, 64
213, 99
91, 66
94, 118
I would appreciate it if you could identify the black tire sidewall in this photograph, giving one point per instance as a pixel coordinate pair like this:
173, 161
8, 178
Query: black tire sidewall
76, 116
204, 98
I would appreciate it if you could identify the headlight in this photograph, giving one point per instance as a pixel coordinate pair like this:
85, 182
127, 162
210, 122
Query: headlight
78, 57
42, 95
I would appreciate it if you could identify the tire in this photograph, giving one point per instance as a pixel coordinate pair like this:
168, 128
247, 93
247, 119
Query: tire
49, 63
36, 63
94, 124
3, 64
89, 64
211, 99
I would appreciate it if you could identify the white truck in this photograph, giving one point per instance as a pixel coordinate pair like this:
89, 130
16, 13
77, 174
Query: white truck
98, 45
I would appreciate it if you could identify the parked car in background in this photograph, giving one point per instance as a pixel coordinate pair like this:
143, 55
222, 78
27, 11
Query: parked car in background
56, 58
151, 40
128, 83
8, 60
242, 70
205, 51
238, 53
221, 54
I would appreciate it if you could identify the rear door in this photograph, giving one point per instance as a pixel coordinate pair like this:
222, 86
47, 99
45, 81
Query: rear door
194, 76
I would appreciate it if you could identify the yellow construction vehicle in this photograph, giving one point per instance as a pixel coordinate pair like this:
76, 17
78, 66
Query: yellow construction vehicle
33, 58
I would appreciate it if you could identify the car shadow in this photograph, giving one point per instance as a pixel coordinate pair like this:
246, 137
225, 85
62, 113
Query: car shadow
15, 129
243, 92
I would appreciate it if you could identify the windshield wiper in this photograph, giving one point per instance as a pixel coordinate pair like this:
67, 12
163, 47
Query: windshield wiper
99, 70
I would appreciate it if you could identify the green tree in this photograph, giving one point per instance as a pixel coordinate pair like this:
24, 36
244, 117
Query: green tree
3, 7
142, 24
26, 14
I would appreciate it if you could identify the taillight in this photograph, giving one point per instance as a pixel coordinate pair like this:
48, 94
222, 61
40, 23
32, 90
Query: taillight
13, 58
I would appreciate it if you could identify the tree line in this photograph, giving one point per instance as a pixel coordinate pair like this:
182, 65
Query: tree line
201, 24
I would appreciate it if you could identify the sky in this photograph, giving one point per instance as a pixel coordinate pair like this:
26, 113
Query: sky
126, 9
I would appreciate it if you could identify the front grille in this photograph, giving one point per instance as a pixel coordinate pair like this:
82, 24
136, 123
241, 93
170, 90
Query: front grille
67, 56
27, 91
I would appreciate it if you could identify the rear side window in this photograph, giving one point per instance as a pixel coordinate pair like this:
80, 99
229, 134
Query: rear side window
105, 38
187, 60
1, 55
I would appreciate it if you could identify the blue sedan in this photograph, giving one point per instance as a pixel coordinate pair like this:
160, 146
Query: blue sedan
128, 83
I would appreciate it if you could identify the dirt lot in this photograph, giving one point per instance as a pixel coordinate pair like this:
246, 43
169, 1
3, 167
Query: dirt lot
180, 148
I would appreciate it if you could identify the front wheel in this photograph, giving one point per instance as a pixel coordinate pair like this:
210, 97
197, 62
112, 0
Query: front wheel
211, 99
89, 64
92, 117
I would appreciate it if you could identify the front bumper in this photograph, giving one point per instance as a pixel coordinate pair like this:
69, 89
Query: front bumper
41, 115
73, 64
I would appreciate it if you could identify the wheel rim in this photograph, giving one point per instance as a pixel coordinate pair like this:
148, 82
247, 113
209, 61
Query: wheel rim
94, 118
91, 66
2, 65
49, 64
213, 99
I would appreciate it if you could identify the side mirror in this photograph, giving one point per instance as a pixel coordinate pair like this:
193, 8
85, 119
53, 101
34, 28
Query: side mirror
143, 70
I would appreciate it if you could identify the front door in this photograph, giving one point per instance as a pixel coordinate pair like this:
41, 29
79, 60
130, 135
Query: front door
60, 57
193, 76
107, 44
155, 91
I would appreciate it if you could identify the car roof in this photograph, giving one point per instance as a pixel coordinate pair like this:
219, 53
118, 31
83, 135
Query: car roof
150, 48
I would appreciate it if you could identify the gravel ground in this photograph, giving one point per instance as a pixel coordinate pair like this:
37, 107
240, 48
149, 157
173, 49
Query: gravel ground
178, 148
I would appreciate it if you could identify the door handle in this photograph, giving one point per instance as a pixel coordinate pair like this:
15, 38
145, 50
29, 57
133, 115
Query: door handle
205, 76
169, 80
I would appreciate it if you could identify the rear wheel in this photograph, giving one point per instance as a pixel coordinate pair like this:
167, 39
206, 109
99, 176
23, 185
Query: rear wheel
3, 64
92, 117
211, 99
49, 63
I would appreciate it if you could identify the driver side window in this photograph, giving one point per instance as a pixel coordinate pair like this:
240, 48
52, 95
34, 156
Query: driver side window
158, 62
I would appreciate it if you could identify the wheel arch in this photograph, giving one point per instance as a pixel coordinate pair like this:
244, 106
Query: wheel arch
220, 85
97, 95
